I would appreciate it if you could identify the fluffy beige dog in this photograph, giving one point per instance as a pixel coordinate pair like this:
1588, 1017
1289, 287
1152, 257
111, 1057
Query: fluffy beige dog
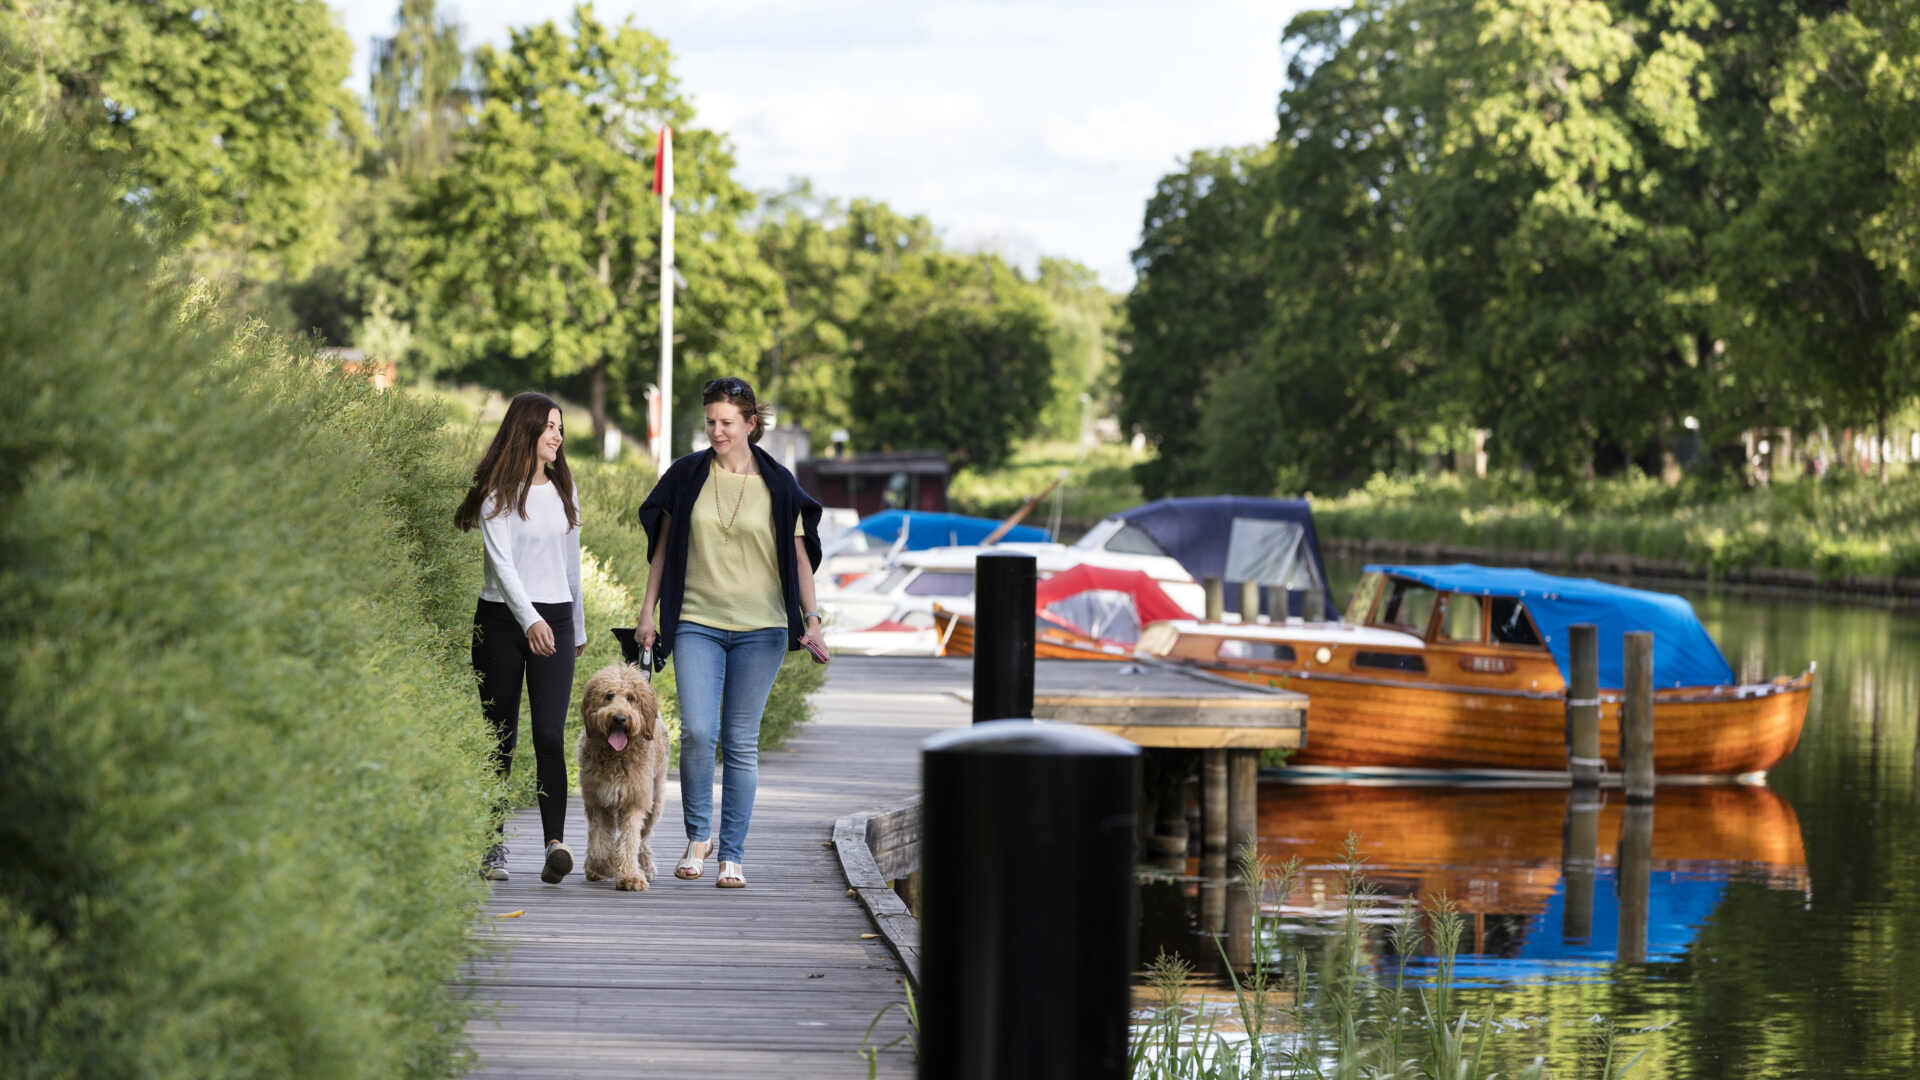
623, 774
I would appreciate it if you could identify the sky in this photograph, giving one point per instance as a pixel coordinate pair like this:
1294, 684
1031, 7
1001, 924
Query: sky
1026, 129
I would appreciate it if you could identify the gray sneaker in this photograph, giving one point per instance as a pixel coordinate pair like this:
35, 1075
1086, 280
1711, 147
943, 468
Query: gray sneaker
493, 866
559, 862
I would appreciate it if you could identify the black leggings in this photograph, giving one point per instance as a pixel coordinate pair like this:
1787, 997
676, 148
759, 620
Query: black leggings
502, 657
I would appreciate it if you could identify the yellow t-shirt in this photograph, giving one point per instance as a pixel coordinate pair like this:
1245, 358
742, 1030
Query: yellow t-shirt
733, 571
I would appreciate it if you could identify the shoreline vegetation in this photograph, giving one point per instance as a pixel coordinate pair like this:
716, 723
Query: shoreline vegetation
1839, 534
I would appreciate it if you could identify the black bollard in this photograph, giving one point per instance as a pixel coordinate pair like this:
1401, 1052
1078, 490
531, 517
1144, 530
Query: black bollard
1003, 585
1028, 902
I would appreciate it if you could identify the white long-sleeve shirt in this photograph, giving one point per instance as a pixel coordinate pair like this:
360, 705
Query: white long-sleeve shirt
533, 560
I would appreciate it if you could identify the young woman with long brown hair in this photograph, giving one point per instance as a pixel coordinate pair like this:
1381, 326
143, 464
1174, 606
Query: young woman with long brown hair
529, 623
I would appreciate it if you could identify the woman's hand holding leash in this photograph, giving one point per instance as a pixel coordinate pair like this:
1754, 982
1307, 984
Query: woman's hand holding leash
645, 633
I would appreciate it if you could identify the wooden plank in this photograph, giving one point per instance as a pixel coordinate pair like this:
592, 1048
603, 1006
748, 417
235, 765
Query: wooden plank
1171, 716
1260, 705
1204, 738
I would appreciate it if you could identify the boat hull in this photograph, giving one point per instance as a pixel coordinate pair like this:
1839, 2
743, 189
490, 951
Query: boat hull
1354, 721
955, 633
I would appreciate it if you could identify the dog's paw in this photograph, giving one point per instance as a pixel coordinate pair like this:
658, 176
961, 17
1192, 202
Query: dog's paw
631, 883
594, 873
646, 864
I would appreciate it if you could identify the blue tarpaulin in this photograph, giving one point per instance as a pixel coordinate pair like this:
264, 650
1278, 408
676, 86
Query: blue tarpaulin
1683, 653
929, 529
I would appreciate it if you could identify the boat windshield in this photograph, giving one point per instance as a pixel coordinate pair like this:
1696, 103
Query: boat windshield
1460, 619
1511, 623
1408, 606
1360, 608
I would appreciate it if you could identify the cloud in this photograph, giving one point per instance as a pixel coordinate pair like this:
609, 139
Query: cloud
1030, 127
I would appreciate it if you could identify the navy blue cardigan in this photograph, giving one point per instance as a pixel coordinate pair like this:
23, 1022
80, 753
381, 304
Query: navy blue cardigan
675, 494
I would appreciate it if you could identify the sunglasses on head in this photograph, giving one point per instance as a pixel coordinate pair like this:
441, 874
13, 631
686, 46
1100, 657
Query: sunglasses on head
729, 386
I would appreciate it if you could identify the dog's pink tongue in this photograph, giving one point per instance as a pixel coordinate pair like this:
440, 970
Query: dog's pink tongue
617, 740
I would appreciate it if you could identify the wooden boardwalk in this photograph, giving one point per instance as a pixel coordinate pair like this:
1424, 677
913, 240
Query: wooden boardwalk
774, 980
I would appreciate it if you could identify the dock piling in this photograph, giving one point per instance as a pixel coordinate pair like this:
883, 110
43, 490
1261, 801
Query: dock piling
1249, 601
1003, 636
1636, 718
1635, 879
1216, 598
1579, 854
1213, 800
1583, 705
1028, 902
1243, 801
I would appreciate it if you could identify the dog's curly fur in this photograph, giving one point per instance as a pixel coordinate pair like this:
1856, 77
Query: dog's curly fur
622, 789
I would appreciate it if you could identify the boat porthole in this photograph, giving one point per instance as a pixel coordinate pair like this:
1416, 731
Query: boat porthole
1322, 654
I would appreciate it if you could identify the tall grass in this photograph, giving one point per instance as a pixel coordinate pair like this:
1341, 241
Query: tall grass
1344, 1022
1838, 526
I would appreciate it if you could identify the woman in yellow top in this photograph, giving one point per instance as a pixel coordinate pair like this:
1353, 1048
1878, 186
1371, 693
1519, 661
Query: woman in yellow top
727, 528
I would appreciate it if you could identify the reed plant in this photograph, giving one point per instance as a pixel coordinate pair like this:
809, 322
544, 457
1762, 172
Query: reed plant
1344, 1022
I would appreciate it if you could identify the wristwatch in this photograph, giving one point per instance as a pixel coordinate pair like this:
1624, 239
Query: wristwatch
805, 615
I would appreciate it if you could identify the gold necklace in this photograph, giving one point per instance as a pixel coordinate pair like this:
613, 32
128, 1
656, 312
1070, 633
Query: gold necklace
726, 526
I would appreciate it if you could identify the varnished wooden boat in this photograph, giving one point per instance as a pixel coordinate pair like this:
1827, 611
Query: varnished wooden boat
955, 633
1463, 668
1116, 604
1501, 849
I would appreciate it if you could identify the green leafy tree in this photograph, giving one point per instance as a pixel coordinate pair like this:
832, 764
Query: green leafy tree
420, 92
1200, 301
951, 352
223, 120
541, 243
420, 101
1086, 327
1820, 264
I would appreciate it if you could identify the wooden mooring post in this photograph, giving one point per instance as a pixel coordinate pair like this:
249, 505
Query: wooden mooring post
1583, 705
1216, 598
1636, 718
1213, 800
1635, 879
1249, 601
1579, 853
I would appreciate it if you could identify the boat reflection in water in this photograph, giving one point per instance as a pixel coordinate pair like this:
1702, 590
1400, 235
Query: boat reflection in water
1552, 884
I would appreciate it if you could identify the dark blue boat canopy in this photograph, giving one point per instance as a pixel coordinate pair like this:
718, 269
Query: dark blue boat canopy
1238, 538
1683, 653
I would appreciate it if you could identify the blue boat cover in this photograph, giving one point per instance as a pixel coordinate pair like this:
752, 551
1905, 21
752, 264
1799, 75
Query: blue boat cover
1683, 653
928, 529
1196, 531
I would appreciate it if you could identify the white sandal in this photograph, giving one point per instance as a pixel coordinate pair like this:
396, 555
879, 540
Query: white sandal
691, 865
732, 876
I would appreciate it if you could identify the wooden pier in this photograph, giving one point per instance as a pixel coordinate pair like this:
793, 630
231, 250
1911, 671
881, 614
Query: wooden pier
781, 978
778, 979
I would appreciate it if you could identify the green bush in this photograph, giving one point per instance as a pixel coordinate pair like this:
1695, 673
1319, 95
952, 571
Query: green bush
245, 787
1835, 527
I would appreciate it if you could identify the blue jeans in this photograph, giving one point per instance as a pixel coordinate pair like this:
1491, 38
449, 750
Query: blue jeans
724, 677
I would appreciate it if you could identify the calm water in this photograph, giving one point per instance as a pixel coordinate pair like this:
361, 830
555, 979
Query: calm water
1782, 922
